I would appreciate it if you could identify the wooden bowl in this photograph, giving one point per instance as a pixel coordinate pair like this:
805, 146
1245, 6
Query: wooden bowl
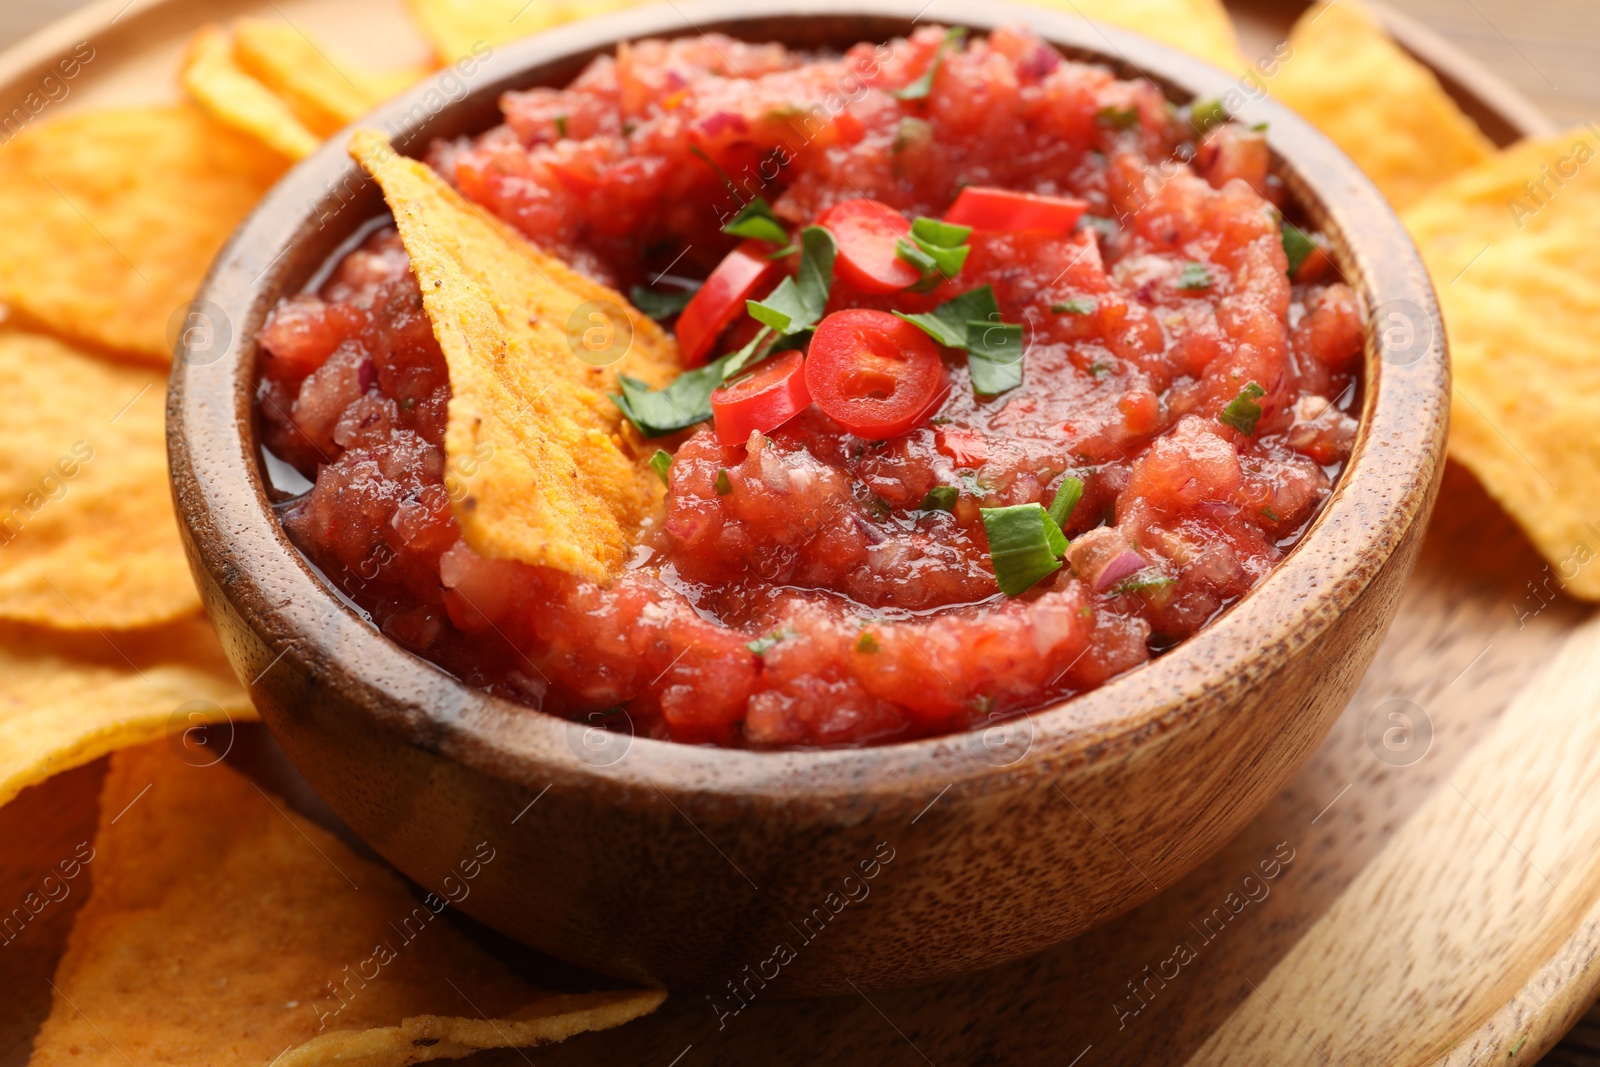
808, 872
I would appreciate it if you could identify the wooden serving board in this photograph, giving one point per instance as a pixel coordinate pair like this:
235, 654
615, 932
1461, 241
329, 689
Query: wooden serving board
1425, 891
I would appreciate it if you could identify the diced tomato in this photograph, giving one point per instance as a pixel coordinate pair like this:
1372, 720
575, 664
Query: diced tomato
721, 299
1005, 211
764, 399
876, 375
868, 233
967, 447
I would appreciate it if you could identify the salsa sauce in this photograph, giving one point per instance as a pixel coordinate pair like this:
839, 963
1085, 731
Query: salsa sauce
810, 586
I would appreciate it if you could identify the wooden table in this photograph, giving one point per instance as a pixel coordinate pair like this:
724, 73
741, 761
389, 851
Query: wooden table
1544, 48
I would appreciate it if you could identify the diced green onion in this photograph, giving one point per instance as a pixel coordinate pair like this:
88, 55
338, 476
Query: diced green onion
1068, 493
661, 463
1025, 546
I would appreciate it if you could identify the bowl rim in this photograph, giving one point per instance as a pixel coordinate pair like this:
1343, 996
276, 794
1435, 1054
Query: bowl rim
238, 547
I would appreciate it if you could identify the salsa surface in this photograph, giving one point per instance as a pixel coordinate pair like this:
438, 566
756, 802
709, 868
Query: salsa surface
811, 586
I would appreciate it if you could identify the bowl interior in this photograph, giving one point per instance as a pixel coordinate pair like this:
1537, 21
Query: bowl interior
221, 484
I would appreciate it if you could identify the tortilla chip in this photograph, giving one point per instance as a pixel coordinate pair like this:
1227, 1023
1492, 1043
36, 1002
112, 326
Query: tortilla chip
88, 537
1199, 27
1386, 110
222, 928
70, 699
1510, 246
217, 83
111, 218
540, 469
325, 96
458, 28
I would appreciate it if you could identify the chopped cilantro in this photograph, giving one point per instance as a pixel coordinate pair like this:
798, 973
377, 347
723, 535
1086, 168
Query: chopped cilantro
797, 304
1195, 277
561, 126
723, 485
941, 498
1297, 245
919, 89
994, 356
686, 400
760, 645
1118, 118
1097, 368
661, 305
1080, 306
1025, 546
867, 643
947, 323
628, 128
661, 463
757, 221
1204, 114
1086, 612
1242, 412
972, 321
1145, 579
1068, 493
1271, 516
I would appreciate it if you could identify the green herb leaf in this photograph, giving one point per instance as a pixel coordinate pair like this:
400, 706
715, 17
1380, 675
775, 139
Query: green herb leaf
661, 463
661, 305
1082, 306
757, 221
686, 400
919, 89
1269, 514
867, 642
561, 126
1025, 546
1204, 114
1097, 368
1068, 493
760, 645
1297, 245
1195, 277
941, 498
1242, 412
947, 323
1118, 118
994, 356
798, 303
1146, 579
723, 485
785, 252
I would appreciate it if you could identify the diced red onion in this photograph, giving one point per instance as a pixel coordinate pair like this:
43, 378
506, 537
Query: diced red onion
1126, 564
